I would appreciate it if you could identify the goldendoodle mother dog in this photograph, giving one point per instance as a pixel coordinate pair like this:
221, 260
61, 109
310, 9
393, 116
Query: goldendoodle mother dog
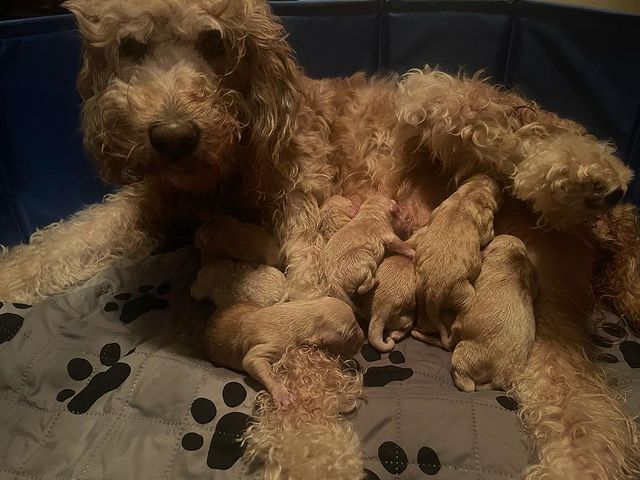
191, 105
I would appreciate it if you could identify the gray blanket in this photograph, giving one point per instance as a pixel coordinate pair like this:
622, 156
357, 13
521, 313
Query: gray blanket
108, 382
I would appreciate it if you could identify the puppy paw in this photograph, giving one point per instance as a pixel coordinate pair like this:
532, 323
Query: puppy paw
282, 397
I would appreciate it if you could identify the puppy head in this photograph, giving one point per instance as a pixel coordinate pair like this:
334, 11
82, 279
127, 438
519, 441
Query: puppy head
170, 87
571, 180
337, 330
378, 205
340, 204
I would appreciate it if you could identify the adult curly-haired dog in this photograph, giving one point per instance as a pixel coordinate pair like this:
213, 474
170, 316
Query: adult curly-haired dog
194, 105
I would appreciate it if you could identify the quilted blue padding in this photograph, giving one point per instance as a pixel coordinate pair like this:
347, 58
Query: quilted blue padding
584, 64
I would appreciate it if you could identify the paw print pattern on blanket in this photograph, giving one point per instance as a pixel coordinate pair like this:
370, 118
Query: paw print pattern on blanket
102, 382
395, 461
379, 376
507, 403
137, 306
609, 335
11, 323
225, 449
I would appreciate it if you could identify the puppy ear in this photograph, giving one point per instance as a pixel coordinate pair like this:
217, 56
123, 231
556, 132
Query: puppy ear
92, 76
274, 91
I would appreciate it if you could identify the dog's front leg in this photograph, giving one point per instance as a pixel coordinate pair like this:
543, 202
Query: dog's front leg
69, 252
297, 228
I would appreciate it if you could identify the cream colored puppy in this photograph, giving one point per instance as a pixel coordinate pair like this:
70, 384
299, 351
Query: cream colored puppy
335, 213
497, 331
222, 236
392, 303
448, 255
227, 282
351, 257
251, 338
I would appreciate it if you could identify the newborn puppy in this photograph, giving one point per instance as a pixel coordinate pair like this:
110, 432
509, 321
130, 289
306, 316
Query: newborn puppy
497, 331
448, 253
223, 236
250, 338
350, 258
335, 213
227, 282
392, 303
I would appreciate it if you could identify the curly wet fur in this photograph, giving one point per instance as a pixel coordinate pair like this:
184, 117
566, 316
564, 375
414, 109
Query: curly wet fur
280, 144
311, 439
617, 283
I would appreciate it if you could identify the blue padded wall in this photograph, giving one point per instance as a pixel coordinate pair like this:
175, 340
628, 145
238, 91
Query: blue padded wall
584, 64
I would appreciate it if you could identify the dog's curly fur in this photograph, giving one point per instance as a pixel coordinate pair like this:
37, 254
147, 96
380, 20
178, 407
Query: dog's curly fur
312, 432
279, 144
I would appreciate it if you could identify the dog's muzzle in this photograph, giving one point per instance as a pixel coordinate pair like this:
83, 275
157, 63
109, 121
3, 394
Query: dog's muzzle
174, 140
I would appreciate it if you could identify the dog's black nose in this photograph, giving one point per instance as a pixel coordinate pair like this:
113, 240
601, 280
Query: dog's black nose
174, 139
615, 196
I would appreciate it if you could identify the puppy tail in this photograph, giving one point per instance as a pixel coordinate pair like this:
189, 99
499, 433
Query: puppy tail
338, 292
376, 335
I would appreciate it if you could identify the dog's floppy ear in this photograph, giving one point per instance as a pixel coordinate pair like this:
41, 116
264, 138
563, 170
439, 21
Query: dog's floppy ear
92, 76
274, 90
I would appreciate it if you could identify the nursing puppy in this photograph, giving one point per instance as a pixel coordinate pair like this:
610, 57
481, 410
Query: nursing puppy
351, 257
448, 255
251, 338
391, 303
222, 236
227, 282
497, 332
335, 213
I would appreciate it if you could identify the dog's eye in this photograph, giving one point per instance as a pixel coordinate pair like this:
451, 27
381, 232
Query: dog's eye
133, 49
210, 45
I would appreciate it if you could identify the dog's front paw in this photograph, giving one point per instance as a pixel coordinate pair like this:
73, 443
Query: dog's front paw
570, 179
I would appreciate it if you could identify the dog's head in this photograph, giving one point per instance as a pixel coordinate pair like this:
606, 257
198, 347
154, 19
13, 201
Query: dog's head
170, 88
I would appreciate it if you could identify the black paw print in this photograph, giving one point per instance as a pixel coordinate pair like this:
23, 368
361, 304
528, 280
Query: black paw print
11, 323
607, 335
507, 403
102, 382
225, 449
141, 304
394, 460
381, 376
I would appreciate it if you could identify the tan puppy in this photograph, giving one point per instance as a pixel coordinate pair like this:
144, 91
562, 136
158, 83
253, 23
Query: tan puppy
335, 213
351, 257
222, 236
227, 282
497, 331
392, 303
250, 338
448, 253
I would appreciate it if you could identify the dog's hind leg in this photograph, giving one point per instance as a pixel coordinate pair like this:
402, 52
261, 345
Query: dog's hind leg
576, 421
617, 283
69, 252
